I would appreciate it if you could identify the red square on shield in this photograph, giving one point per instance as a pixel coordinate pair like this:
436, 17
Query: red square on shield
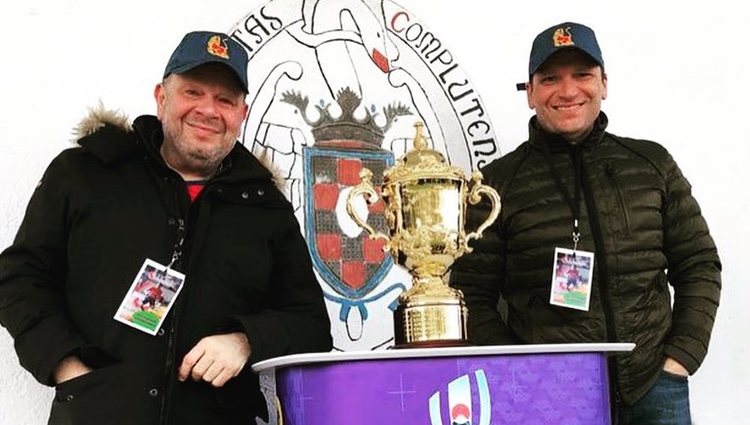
353, 274
377, 207
325, 196
329, 246
373, 250
348, 171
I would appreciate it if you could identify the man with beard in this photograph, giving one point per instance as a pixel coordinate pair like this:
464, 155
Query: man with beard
176, 191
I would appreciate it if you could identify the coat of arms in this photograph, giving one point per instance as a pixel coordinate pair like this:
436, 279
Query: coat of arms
336, 86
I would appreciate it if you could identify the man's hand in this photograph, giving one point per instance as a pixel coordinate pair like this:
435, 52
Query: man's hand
674, 367
216, 359
69, 368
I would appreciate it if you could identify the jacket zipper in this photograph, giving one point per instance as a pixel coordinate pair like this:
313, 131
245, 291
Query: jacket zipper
602, 273
170, 364
620, 195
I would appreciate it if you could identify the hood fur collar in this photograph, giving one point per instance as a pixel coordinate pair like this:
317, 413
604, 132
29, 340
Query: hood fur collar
99, 116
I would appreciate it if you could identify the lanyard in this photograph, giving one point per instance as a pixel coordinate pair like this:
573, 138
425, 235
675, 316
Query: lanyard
574, 202
178, 245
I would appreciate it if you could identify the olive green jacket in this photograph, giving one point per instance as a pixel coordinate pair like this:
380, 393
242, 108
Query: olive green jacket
638, 217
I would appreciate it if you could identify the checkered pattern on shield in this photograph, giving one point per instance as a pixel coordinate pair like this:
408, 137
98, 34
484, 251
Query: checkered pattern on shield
354, 262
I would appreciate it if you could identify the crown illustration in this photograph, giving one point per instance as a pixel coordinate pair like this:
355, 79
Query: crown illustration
346, 127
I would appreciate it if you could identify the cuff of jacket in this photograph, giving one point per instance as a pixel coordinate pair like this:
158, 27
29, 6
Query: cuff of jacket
683, 357
263, 334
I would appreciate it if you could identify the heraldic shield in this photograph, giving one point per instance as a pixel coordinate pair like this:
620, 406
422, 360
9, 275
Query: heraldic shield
352, 266
344, 255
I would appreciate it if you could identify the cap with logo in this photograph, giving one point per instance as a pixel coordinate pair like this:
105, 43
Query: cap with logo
202, 47
563, 36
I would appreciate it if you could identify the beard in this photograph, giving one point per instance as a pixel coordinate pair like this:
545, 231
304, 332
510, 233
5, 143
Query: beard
188, 155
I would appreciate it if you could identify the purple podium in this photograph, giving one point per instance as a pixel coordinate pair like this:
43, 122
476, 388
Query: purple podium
563, 384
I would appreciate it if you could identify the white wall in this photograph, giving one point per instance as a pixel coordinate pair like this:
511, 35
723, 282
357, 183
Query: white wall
677, 75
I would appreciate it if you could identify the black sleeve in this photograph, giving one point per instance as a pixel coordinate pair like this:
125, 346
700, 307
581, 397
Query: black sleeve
297, 320
32, 279
694, 271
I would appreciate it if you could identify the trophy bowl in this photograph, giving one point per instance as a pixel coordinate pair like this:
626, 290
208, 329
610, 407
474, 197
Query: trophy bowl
425, 207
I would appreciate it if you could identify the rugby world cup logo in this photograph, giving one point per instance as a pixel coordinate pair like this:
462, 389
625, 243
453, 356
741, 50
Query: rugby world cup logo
459, 407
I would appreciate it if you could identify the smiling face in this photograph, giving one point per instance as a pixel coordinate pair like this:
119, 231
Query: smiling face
201, 112
566, 93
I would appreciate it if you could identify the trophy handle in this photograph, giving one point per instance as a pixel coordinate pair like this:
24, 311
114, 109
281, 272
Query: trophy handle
365, 188
475, 196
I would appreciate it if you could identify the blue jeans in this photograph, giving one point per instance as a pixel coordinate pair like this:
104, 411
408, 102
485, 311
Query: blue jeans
666, 403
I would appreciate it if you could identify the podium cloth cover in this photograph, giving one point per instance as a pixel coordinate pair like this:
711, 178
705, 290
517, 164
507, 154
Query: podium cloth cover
563, 384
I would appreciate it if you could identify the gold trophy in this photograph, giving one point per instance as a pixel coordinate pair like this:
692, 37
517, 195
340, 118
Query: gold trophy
426, 201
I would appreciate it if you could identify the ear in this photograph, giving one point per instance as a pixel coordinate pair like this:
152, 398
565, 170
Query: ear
160, 97
245, 110
529, 91
604, 83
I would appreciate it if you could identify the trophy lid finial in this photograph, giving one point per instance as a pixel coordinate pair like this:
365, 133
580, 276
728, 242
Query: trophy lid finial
420, 143
422, 154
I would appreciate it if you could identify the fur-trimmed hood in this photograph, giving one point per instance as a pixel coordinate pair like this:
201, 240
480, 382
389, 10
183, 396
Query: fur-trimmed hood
98, 117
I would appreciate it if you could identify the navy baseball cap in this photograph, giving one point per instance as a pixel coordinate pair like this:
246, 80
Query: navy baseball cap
202, 47
563, 36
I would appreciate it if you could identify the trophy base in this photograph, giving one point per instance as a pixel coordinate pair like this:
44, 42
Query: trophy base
430, 324
432, 344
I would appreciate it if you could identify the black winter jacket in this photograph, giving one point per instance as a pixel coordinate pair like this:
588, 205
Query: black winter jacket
98, 213
639, 218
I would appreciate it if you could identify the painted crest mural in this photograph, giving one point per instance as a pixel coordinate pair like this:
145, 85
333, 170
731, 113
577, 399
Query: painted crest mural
336, 86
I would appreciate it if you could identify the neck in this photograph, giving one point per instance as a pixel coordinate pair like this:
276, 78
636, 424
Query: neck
179, 167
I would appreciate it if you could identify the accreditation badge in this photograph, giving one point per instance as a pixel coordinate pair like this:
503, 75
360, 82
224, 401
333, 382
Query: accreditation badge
572, 273
152, 294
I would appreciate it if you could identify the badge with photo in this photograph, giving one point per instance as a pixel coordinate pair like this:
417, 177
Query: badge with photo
150, 297
571, 278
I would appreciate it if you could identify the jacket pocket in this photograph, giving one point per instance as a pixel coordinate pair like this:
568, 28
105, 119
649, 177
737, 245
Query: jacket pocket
240, 399
68, 390
620, 198
87, 396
